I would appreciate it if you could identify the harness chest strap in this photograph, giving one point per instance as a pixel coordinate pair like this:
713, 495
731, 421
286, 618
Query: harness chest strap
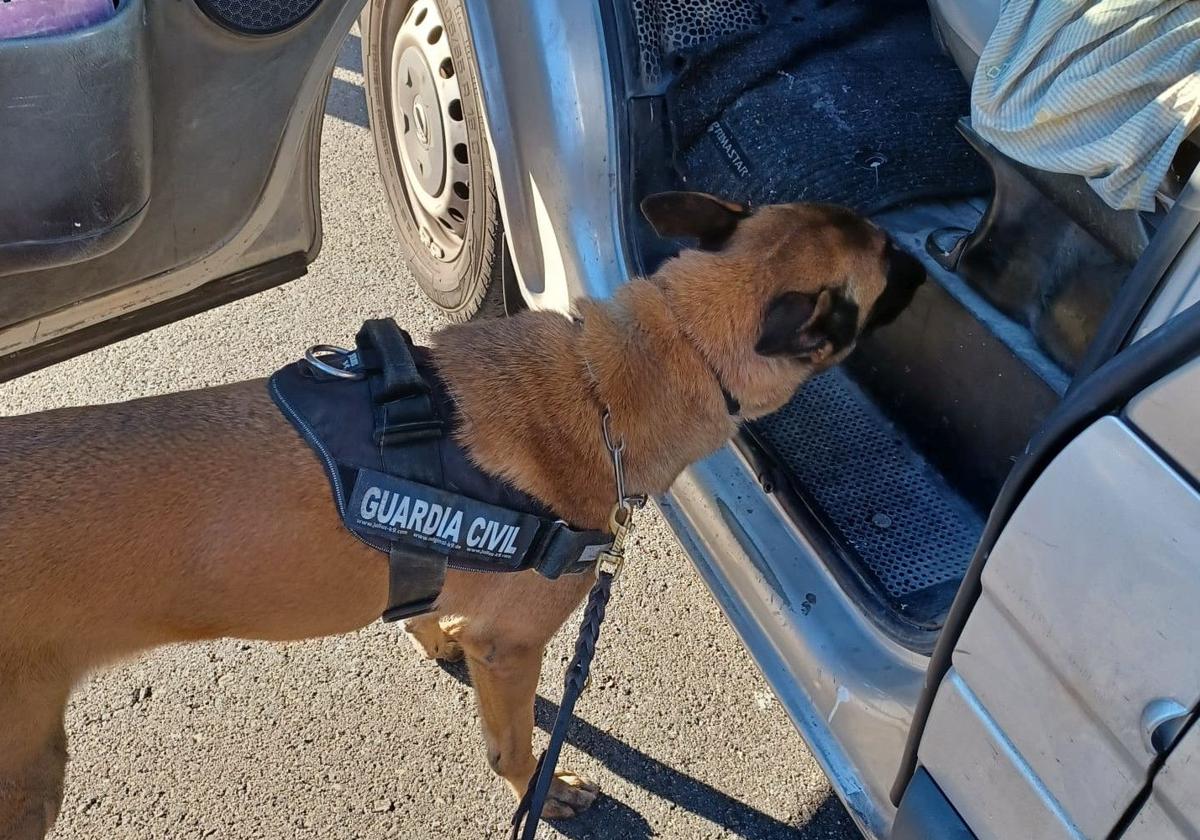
379, 421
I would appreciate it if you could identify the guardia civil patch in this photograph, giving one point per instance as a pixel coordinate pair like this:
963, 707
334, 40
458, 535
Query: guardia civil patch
399, 509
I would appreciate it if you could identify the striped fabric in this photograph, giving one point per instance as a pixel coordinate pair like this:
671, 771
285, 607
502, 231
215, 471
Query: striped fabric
1106, 89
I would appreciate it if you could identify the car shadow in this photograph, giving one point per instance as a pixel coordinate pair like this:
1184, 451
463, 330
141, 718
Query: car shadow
611, 818
347, 101
350, 55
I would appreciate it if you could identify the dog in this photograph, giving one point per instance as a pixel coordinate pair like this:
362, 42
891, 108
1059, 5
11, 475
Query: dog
202, 515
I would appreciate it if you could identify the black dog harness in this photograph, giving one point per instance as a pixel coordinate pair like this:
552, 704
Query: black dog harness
381, 422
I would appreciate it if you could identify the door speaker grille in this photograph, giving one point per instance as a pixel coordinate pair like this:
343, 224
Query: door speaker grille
258, 17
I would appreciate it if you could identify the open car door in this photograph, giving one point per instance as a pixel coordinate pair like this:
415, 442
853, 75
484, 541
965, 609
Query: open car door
159, 158
1060, 699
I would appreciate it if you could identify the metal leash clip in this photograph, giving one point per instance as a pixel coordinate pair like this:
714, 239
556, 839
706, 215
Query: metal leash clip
612, 559
616, 450
620, 521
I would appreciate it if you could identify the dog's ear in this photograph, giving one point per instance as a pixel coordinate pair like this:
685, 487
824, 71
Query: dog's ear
798, 325
905, 275
695, 215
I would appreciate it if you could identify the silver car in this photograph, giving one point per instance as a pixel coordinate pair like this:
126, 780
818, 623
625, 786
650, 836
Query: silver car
968, 562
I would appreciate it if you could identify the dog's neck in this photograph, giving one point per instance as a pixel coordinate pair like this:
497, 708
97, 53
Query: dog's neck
732, 404
532, 389
718, 301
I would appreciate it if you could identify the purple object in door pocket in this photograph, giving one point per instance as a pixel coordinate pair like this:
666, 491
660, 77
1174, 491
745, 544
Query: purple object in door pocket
22, 18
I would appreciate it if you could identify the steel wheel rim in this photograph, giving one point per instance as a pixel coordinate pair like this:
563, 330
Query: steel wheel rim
431, 133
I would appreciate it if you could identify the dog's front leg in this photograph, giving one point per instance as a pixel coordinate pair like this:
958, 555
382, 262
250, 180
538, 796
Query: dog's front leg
506, 682
33, 752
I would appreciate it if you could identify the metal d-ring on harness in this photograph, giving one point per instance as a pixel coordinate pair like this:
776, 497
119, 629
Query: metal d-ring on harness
346, 367
608, 564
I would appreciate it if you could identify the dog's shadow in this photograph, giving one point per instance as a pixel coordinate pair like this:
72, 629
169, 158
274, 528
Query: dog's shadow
610, 818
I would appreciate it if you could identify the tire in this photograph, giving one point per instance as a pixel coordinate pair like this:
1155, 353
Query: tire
427, 121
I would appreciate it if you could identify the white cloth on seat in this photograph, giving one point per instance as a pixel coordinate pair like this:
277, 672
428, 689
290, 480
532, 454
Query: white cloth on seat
1105, 89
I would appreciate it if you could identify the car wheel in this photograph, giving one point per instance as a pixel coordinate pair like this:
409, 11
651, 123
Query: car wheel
426, 117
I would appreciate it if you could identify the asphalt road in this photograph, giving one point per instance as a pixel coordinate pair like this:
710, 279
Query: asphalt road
357, 737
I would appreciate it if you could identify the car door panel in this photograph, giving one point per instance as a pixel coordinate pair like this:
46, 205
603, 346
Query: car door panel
1173, 809
968, 753
76, 138
1104, 539
231, 169
1166, 413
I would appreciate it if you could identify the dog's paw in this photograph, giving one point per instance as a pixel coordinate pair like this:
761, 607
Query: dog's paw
570, 795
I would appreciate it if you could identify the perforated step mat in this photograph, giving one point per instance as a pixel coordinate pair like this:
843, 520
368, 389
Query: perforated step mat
909, 534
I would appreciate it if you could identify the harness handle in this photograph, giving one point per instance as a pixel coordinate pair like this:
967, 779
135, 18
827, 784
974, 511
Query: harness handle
386, 350
404, 408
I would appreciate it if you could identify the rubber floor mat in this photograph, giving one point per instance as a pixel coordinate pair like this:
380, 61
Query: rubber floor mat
845, 101
909, 529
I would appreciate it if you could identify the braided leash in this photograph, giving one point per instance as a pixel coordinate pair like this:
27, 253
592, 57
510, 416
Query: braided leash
529, 809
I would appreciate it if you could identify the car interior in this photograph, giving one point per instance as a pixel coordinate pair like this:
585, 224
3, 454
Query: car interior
890, 463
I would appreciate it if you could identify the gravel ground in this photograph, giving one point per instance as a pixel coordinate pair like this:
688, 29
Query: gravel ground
355, 736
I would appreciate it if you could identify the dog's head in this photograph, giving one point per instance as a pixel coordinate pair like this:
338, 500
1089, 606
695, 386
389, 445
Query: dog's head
773, 295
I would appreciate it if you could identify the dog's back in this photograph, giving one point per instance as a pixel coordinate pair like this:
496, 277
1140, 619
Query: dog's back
145, 503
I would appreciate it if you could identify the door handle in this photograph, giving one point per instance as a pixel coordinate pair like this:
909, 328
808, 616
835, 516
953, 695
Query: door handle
1162, 721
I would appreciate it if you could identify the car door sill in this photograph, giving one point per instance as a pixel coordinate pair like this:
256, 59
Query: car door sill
206, 296
849, 689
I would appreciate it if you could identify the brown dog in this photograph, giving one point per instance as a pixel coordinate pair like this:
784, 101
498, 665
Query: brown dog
124, 527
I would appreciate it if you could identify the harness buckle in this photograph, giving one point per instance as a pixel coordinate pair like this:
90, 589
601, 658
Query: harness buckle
620, 523
609, 564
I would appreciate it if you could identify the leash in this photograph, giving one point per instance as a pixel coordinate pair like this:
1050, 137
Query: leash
529, 810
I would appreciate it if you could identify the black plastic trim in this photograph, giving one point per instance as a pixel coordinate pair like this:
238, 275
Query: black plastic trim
208, 296
926, 814
1103, 393
20, 257
76, 141
644, 142
610, 26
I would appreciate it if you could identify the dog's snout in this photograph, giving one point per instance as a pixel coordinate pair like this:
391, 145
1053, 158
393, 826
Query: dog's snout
903, 269
903, 275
